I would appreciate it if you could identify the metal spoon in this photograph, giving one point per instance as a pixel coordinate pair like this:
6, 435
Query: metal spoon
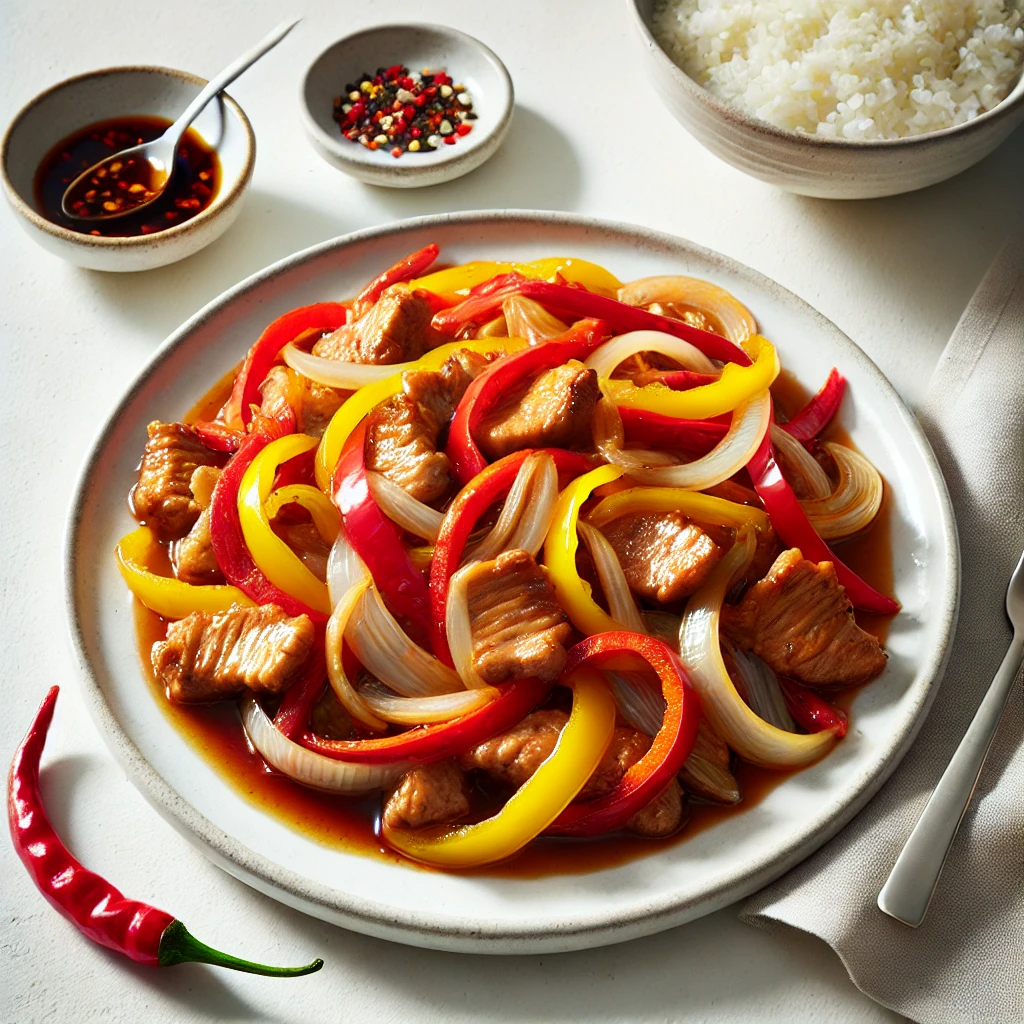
909, 888
159, 154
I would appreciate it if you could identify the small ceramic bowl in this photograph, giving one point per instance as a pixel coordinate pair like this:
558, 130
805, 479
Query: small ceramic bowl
117, 92
812, 166
417, 47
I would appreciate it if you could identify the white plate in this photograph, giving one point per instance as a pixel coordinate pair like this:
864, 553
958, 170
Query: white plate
479, 913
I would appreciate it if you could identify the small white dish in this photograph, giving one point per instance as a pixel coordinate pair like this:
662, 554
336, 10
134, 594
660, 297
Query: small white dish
481, 912
436, 47
808, 164
118, 92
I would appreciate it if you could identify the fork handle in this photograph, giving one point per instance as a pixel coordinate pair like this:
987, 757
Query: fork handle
909, 888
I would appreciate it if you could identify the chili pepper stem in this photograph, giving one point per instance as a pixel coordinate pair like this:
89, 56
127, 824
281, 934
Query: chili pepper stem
179, 946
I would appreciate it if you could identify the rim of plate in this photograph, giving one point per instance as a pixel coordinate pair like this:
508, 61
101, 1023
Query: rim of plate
463, 933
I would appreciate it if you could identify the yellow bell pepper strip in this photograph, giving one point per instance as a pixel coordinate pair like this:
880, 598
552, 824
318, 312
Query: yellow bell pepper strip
314, 501
169, 598
574, 594
704, 508
670, 748
357, 405
272, 556
453, 283
539, 801
738, 384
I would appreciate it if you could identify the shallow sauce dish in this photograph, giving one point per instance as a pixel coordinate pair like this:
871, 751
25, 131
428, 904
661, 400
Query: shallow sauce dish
436, 47
79, 102
807, 164
479, 912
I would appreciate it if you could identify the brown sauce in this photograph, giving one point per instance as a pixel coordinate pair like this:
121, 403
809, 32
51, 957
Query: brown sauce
343, 823
119, 187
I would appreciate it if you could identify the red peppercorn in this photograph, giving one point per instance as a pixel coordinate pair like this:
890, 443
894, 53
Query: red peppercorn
449, 140
464, 128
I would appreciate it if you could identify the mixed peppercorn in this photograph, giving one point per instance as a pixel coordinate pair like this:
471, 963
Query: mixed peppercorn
403, 111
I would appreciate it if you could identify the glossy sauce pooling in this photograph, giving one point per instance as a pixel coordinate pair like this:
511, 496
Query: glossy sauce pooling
192, 188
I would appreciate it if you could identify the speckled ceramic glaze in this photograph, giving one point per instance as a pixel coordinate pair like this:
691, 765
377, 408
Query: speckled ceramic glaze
673, 884
416, 46
812, 166
118, 92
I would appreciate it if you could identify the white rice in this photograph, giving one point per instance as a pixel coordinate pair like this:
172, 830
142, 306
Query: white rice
846, 68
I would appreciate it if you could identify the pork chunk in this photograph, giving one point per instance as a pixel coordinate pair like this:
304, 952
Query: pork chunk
217, 656
662, 816
664, 556
706, 772
163, 497
313, 404
799, 620
512, 757
555, 411
395, 329
519, 629
193, 557
428, 794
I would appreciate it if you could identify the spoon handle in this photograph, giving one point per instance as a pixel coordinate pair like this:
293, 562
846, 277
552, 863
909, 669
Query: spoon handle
912, 882
227, 76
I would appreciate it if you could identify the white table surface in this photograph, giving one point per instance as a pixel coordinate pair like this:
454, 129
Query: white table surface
590, 136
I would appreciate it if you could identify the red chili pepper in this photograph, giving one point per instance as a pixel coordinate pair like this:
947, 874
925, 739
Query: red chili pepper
469, 505
793, 527
376, 540
812, 419
561, 299
671, 747
428, 743
142, 932
321, 316
298, 701
218, 437
652, 429
487, 389
404, 270
229, 547
810, 711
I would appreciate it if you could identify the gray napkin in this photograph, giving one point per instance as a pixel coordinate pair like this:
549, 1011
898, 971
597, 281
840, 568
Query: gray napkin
966, 962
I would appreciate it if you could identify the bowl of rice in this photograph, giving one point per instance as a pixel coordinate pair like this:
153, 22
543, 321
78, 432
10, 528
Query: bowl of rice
841, 99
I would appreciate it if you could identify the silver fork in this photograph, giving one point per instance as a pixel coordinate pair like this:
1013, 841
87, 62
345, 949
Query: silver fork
911, 883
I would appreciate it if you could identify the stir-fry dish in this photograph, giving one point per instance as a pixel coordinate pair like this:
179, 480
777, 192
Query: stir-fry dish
520, 548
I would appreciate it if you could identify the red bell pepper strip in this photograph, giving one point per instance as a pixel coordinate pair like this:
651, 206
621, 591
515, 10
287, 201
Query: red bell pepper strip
575, 302
321, 316
229, 547
793, 527
469, 505
683, 380
812, 419
654, 430
810, 711
377, 541
218, 437
404, 270
293, 712
428, 743
137, 930
487, 389
671, 747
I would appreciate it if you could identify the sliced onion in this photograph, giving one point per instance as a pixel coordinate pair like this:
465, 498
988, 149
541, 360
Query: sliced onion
613, 352
663, 625
309, 768
750, 421
746, 733
640, 701
385, 651
495, 328
621, 605
704, 775
459, 629
801, 464
516, 500
525, 318
402, 508
335, 373
342, 686
763, 693
854, 503
737, 321
425, 710
344, 569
